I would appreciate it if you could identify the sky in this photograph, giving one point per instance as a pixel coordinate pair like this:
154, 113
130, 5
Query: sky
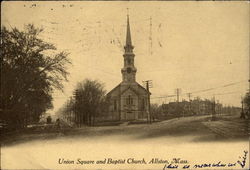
200, 47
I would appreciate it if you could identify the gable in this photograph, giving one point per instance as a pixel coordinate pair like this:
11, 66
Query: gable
130, 90
139, 90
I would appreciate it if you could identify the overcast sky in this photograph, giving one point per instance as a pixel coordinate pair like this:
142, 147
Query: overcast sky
195, 45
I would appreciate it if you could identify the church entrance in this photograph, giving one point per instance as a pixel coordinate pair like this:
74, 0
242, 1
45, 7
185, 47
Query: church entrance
130, 115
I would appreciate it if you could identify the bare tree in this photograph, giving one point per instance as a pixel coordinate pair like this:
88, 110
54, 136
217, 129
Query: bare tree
89, 101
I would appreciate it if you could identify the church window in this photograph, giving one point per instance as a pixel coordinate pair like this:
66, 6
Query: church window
129, 100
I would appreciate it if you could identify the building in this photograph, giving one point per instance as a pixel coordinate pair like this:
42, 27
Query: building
128, 100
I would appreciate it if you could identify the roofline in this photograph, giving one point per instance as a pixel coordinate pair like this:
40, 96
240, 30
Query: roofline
143, 88
113, 89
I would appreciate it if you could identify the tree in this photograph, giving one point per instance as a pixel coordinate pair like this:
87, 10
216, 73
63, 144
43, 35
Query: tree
246, 101
30, 70
156, 111
89, 101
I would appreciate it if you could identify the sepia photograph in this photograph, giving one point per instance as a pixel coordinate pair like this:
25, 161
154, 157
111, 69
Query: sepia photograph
125, 85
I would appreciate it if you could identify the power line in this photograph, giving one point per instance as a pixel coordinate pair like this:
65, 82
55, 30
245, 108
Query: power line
219, 94
210, 89
164, 96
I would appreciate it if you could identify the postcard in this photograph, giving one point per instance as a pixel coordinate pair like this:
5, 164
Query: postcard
125, 85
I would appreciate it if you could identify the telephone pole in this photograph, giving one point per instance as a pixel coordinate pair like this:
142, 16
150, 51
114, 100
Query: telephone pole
178, 110
213, 111
189, 98
148, 84
242, 115
178, 91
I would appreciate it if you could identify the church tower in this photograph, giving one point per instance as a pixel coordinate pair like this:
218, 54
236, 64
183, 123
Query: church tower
129, 70
128, 100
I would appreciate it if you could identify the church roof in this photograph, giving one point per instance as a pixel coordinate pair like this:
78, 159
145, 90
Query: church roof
129, 87
118, 86
142, 87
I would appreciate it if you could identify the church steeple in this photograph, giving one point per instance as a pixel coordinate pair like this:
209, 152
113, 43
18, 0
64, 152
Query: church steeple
128, 47
128, 70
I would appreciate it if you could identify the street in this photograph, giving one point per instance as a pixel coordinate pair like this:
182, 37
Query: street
194, 139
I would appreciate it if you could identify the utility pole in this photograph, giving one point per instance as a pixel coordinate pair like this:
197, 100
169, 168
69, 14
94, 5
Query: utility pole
148, 85
213, 111
190, 106
242, 114
178, 90
189, 96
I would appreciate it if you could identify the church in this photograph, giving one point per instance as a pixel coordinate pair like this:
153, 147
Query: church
128, 100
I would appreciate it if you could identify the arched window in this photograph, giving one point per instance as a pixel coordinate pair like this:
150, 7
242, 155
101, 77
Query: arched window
129, 100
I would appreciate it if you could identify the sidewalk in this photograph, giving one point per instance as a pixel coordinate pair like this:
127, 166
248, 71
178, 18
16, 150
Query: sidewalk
229, 128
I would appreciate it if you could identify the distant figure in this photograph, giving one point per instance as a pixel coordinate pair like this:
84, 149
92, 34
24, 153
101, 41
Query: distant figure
49, 120
58, 123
